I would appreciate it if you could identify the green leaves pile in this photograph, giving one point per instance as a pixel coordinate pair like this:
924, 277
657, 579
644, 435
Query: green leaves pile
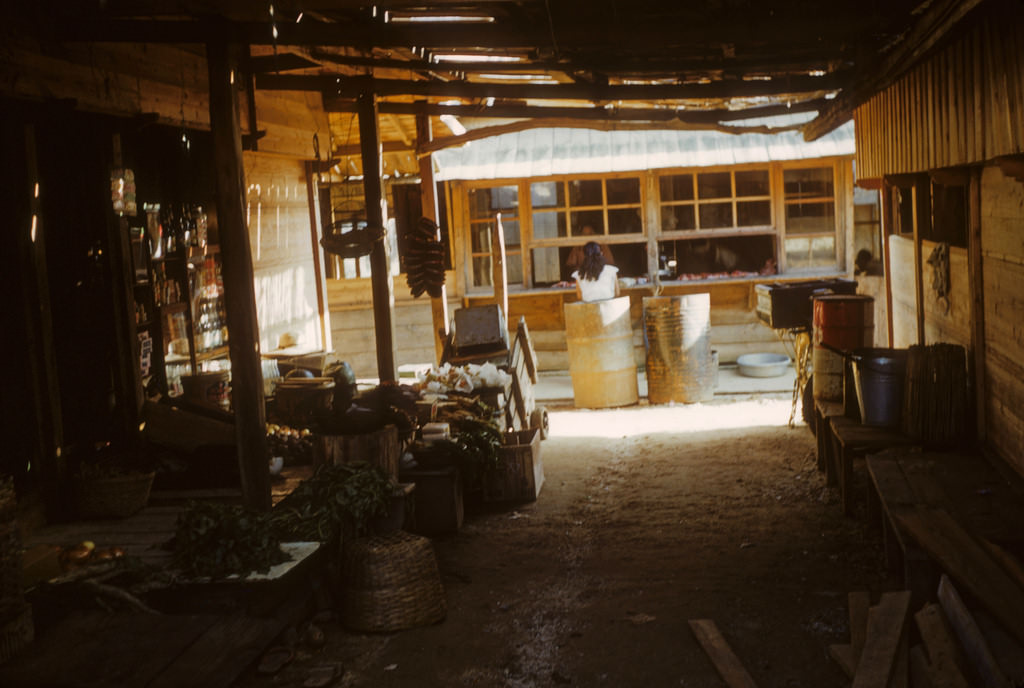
335, 500
474, 449
216, 540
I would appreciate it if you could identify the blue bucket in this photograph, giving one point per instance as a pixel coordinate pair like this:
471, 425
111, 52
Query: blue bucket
879, 376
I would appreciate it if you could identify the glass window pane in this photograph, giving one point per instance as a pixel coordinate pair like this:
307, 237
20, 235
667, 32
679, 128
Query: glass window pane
549, 225
623, 191
546, 266
810, 218
753, 213
481, 271
480, 237
752, 183
678, 217
484, 203
715, 215
714, 185
624, 221
676, 187
511, 228
514, 268
547, 194
587, 218
809, 183
798, 253
585, 192
823, 251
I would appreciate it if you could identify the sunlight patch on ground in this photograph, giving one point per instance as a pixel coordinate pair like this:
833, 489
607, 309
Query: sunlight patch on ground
641, 420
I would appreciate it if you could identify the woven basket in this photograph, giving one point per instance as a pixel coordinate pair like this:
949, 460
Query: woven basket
16, 628
10, 561
114, 497
390, 582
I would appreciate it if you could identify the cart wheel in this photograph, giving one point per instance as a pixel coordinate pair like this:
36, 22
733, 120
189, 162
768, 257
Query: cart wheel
539, 419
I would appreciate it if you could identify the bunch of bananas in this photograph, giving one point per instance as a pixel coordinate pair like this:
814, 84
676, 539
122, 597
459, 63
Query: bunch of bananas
424, 261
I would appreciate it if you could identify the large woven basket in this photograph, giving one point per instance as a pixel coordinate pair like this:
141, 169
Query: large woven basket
390, 582
114, 497
16, 628
10, 561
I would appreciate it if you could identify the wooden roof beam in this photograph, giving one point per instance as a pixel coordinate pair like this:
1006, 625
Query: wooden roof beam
652, 115
933, 25
352, 86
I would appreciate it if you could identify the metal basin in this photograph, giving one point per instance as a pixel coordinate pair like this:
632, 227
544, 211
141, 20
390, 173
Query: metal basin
762, 365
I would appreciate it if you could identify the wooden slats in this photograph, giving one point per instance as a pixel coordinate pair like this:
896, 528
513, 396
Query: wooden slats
961, 106
724, 659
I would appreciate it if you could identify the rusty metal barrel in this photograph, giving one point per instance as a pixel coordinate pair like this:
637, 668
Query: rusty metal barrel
599, 336
842, 322
677, 336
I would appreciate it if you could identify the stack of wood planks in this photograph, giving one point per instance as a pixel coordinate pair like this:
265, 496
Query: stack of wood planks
954, 649
936, 401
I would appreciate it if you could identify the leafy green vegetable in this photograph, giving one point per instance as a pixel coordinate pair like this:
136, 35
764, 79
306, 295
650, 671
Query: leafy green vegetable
218, 540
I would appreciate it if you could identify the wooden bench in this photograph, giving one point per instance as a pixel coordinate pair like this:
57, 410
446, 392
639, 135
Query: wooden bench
823, 411
852, 440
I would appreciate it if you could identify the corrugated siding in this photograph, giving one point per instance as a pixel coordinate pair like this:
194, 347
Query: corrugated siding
963, 105
545, 152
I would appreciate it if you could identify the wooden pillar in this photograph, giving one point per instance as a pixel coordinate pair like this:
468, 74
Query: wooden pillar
428, 202
499, 275
975, 278
236, 265
376, 216
886, 219
312, 190
918, 270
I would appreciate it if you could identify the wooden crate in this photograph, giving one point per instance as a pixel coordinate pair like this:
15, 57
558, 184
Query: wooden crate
520, 474
380, 447
437, 500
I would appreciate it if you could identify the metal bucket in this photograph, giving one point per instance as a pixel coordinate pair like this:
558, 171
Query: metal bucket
842, 322
677, 336
599, 336
879, 377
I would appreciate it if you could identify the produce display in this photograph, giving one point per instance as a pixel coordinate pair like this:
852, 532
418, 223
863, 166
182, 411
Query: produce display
293, 445
86, 553
217, 540
464, 379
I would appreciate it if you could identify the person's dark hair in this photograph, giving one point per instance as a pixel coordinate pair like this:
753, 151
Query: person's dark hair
863, 259
593, 261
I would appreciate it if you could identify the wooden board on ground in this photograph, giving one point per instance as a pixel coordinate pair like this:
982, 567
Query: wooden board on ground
969, 564
979, 656
886, 624
722, 656
101, 650
943, 654
859, 603
843, 656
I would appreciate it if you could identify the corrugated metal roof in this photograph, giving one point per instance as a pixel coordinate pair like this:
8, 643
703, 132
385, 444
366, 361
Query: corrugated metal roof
543, 152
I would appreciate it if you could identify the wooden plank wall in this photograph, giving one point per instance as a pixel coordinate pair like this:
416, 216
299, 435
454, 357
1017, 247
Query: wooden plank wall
939, 325
284, 280
1002, 240
963, 105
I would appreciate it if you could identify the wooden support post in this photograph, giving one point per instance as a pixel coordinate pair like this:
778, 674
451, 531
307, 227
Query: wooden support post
376, 215
236, 264
428, 203
312, 190
499, 275
918, 270
976, 280
48, 431
885, 217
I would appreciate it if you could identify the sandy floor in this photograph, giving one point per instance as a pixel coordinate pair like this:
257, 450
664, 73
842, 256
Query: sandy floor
650, 516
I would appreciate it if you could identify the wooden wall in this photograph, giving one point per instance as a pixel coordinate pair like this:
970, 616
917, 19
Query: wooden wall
1002, 241
940, 325
963, 105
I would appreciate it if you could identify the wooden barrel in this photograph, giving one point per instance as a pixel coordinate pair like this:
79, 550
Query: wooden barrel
599, 336
842, 322
677, 336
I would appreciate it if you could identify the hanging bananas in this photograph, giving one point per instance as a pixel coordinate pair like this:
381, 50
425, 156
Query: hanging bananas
424, 260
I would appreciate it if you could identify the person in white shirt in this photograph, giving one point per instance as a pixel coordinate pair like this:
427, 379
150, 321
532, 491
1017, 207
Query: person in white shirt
595, 279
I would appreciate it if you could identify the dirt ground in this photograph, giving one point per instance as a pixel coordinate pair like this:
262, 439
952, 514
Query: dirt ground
649, 516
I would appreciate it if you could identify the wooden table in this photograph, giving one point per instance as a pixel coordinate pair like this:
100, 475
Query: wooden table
823, 411
852, 440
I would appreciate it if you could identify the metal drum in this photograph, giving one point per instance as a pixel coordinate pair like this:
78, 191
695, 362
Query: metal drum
677, 336
599, 336
842, 323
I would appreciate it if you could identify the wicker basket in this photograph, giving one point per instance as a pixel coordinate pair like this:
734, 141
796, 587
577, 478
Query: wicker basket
390, 582
114, 497
10, 561
16, 628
